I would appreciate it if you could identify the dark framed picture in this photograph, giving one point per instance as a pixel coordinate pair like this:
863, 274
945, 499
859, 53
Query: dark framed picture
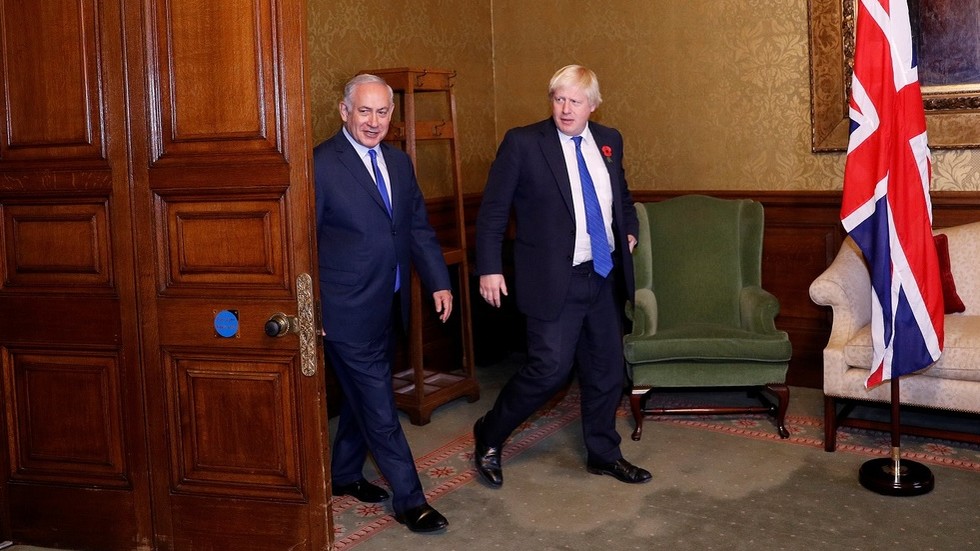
947, 38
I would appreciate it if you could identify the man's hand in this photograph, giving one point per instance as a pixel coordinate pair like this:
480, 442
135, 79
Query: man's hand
444, 304
632, 242
491, 287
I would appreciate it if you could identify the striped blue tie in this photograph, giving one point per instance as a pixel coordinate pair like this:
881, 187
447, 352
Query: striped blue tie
380, 180
601, 256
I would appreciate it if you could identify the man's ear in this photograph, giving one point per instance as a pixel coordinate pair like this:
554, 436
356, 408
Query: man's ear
343, 111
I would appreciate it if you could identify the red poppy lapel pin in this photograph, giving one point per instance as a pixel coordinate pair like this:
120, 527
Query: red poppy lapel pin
607, 153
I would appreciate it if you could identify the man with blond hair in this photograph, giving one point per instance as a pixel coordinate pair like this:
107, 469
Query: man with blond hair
564, 180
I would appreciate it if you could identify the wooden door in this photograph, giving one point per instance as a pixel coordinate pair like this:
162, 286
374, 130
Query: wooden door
75, 467
156, 199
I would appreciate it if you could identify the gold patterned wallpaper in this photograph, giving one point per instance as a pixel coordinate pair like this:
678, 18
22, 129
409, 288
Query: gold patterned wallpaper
348, 37
709, 94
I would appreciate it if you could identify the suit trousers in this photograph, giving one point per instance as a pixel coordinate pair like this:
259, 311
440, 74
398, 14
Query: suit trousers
587, 336
369, 421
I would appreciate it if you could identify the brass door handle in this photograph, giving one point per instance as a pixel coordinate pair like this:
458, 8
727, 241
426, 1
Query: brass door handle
302, 324
280, 324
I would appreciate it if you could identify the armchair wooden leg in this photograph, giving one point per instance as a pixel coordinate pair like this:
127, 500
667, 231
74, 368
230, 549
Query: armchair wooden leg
636, 406
782, 396
829, 424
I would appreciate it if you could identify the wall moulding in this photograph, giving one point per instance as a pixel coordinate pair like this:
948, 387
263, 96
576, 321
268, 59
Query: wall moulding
952, 113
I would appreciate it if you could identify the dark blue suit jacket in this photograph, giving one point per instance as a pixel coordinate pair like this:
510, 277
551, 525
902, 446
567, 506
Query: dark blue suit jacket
529, 175
359, 244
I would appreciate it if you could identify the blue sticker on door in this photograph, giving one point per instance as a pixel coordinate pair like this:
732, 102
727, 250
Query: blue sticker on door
226, 323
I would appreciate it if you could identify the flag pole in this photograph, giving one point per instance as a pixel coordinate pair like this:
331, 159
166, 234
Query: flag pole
891, 475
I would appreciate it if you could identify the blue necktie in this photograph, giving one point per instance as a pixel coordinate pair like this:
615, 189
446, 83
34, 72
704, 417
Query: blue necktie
380, 180
601, 256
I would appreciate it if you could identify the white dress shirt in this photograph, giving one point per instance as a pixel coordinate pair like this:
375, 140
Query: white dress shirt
603, 190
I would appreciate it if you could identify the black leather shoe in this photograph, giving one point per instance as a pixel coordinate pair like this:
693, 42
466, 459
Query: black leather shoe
362, 490
422, 519
487, 458
621, 469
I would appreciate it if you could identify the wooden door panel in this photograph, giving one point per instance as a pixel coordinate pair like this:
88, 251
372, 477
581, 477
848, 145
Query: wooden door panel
217, 78
230, 240
220, 448
61, 245
64, 412
53, 91
94, 518
234, 525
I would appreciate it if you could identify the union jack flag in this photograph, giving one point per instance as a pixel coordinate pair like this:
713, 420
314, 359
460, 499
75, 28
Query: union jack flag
886, 207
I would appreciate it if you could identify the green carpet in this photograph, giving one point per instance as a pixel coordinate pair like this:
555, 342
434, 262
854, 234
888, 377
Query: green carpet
720, 482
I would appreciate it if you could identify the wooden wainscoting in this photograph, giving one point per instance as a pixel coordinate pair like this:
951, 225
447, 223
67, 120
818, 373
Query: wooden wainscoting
802, 236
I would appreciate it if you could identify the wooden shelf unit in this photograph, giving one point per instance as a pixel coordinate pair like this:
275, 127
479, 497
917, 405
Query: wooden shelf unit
426, 379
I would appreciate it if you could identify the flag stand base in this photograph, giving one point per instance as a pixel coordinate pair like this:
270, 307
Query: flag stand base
913, 478
893, 476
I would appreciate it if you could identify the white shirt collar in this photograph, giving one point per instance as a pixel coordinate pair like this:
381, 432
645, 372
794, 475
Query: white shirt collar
586, 135
362, 151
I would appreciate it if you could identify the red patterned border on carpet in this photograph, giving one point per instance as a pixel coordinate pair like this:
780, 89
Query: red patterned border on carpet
808, 431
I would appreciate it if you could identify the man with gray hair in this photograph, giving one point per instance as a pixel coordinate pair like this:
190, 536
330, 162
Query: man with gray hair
372, 229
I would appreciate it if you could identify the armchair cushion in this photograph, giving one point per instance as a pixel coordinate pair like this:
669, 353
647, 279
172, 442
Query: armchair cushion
961, 353
708, 342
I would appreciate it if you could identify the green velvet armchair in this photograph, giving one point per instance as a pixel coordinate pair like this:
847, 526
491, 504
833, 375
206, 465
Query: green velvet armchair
701, 319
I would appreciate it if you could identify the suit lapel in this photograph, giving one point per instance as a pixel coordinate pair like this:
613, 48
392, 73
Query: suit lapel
604, 142
555, 157
348, 156
605, 150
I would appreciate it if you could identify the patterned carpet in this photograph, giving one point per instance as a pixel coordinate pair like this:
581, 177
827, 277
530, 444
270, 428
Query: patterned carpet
442, 471
450, 466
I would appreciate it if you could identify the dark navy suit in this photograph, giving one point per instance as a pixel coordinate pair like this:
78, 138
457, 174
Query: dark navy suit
360, 246
574, 316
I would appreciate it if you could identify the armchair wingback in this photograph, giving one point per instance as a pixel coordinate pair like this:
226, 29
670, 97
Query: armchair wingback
700, 316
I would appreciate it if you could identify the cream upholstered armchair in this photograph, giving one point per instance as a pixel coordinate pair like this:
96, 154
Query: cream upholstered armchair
701, 319
952, 383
